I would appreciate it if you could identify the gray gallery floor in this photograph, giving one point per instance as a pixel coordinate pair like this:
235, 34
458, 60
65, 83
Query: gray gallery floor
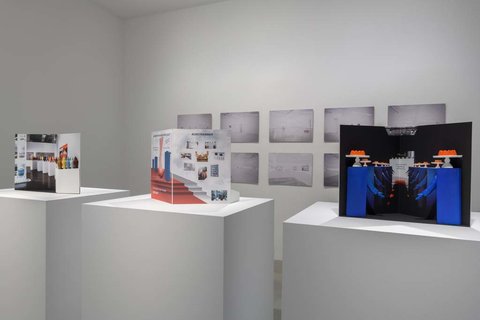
277, 312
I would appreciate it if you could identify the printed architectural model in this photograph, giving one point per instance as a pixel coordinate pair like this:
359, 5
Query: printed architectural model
191, 166
47, 162
421, 174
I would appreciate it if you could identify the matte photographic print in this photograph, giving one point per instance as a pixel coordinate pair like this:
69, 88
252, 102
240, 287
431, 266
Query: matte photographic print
245, 168
331, 170
194, 121
291, 126
219, 156
189, 167
214, 170
334, 117
219, 195
243, 125
210, 145
416, 115
201, 156
186, 155
202, 173
290, 169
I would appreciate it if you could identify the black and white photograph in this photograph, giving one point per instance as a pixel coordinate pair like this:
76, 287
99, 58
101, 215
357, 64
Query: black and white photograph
220, 156
243, 125
214, 170
334, 117
291, 125
189, 166
416, 115
290, 169
186, 155
194, 121
331, 170
245, 168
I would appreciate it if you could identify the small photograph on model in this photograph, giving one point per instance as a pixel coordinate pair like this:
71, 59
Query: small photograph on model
202, 173
219, 195
186, 156
201, 156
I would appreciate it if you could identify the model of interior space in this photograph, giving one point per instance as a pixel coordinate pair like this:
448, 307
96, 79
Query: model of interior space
419, 174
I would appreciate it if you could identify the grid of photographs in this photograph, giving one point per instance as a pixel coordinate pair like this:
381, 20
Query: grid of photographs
244, 126
416, 115
296, 126
334, 117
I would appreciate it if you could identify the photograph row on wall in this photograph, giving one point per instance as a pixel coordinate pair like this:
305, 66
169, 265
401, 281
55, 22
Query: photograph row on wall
297, 126
287, 169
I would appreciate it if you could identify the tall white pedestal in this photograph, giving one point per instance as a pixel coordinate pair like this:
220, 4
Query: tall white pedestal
40, 253
340, 268
149, 260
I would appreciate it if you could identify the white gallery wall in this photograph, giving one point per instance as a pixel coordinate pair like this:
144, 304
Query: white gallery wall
263, 55
70, 66
60, 72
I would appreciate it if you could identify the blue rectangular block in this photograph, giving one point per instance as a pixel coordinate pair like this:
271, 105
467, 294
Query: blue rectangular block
449, 196
357, 191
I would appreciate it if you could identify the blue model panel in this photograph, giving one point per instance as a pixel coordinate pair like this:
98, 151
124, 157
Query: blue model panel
432, 198
168, 175
449, 196
357, 191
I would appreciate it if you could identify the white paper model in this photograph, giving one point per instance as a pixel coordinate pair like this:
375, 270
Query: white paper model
47, 162
191, 166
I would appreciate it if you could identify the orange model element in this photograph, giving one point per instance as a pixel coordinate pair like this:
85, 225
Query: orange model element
357, 153
447, 152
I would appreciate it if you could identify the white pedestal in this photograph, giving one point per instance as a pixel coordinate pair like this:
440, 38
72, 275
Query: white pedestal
40, 253
146, 259
340, 268
67, 180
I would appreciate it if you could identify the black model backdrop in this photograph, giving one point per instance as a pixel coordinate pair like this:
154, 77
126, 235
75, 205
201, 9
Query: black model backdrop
413, 199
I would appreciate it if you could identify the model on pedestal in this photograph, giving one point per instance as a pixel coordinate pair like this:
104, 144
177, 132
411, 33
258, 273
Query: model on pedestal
419, 174
191, 166
47, 162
